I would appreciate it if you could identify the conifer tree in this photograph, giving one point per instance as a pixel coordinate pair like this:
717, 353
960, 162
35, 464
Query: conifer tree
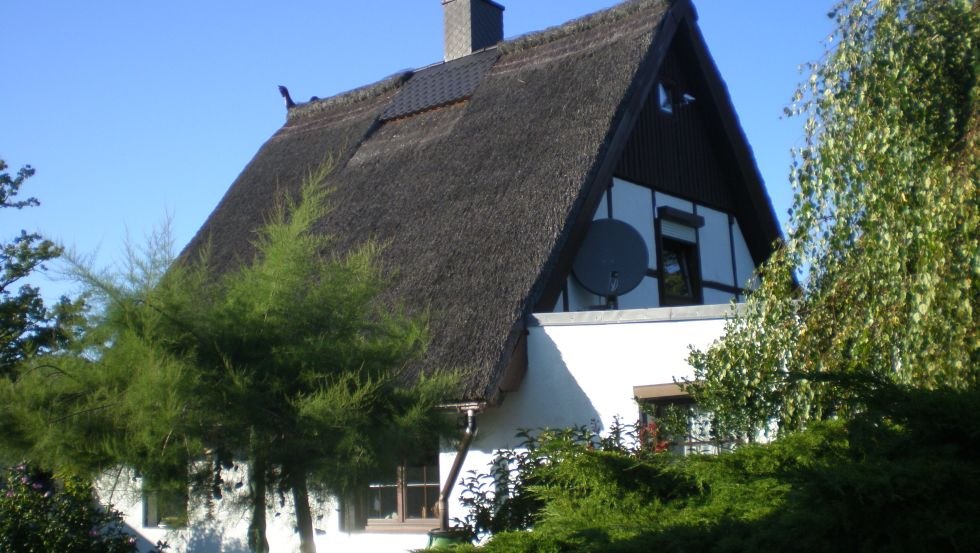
288, 363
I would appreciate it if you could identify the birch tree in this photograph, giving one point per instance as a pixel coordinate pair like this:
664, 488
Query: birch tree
883, 231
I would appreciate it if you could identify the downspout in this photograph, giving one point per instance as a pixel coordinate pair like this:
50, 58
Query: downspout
447, 488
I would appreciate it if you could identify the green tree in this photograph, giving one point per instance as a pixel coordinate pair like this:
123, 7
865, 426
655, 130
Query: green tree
26, 325
884, 228
289, 363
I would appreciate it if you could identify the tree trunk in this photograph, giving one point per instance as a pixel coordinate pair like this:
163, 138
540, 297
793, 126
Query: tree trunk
304, 519
257, 541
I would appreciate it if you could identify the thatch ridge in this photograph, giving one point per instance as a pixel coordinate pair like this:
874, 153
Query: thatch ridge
576, 26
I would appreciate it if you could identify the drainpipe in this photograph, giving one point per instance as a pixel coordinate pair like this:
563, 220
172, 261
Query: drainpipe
447, 488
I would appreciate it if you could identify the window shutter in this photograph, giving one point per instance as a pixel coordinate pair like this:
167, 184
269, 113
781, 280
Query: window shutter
677, 231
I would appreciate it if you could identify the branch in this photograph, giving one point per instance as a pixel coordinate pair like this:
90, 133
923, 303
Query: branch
93, 409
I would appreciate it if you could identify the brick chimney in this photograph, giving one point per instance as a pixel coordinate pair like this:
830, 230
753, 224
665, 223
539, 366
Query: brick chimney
471, 25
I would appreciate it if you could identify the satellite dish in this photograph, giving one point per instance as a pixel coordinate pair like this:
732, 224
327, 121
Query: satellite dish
613, 259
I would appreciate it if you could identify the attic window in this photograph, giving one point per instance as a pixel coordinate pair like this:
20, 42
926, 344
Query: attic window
440, 85
665, 97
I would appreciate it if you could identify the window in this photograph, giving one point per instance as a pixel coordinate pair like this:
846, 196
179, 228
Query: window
678, 259
683, 427
164, 508
411, 494
405, 502
677, 421
665, 98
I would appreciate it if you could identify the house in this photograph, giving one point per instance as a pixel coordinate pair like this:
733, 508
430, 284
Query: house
574, 208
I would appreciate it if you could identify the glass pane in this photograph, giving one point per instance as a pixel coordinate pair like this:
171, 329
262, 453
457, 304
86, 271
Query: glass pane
151, 513
665, 100
685, 426
383, 501
677, 276
421, 501
165, 509
424, 474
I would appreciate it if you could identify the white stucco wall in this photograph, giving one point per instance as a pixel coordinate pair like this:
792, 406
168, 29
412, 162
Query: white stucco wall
582, 367
225, 530
672, 201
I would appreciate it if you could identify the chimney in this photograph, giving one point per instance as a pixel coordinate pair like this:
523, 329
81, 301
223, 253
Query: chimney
471, 25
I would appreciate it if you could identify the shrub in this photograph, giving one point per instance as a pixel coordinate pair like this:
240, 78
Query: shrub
39, 514
505, 498
904, 475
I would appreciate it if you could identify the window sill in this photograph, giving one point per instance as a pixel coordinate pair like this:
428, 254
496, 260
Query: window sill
413, 526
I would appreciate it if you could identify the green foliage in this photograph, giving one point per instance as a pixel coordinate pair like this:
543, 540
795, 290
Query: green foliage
884, 223
289, 363
27, 327
39, 514
507, 497
108, 397
500, 500
902, 476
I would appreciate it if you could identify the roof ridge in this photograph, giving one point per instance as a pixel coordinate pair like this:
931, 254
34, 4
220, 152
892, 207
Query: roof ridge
517, 44
577, 25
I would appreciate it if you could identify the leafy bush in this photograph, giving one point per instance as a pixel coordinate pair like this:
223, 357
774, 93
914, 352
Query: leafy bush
41, 515
499, 500
504, 499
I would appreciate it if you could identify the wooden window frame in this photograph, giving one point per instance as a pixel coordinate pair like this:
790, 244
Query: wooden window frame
355, 512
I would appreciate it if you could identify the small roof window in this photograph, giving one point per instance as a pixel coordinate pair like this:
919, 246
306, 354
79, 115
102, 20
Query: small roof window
665, 98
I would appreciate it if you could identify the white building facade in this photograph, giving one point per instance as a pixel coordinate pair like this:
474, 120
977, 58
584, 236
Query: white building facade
584, 368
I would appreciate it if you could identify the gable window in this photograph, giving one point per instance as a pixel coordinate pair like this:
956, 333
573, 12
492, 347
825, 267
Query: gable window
665, 97
678, 259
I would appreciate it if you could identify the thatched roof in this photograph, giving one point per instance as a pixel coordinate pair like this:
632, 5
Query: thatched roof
476, 195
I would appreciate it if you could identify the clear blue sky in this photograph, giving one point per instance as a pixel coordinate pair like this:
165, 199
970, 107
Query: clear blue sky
133, 112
